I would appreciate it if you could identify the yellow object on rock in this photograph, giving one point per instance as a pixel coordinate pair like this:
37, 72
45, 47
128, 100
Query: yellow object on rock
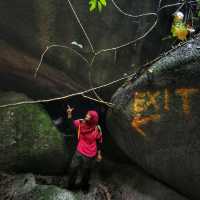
179, 28
180, 31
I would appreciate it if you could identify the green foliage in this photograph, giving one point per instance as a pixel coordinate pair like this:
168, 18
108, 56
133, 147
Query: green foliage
179, 30
97, 5
198, 8
92, 4
103, 2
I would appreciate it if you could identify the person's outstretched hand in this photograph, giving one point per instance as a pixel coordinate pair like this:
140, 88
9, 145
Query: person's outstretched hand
69, 111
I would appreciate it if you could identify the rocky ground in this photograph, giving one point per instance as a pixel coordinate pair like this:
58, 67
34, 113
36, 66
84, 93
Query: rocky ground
31, 144
110, 181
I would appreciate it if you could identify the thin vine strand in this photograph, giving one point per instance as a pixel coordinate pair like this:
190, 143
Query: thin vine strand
89, 41
60, 46
67, 96
83, 29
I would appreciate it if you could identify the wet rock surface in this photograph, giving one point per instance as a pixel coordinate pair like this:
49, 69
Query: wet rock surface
156, 119
110, 181
63, 71
29, 139
31, 26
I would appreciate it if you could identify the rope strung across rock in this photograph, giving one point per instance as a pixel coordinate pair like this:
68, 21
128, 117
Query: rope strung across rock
95, 54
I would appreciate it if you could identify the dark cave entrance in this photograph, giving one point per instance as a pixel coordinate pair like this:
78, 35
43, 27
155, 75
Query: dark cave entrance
57, 112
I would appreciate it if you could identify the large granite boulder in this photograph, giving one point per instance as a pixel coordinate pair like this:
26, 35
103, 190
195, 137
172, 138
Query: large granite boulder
110, 180
29, 141
156, 118
33, 25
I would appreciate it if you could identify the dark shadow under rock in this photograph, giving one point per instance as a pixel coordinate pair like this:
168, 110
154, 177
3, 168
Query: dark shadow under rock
114, 181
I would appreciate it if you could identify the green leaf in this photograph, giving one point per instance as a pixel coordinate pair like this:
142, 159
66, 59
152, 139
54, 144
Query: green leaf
99, 6
199, 13
103, 2
92, 4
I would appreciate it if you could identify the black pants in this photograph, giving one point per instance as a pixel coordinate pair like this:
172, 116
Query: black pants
80, 168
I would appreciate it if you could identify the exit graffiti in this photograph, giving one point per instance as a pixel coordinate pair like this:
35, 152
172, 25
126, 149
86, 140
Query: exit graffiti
144, 101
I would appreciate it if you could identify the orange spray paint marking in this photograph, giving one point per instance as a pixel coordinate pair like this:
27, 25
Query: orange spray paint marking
138, 121
139, 104
166, 100
144, 100
152, 99
185, 94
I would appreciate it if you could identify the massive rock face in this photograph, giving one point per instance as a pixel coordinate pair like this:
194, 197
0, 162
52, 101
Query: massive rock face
29, 140
31, 26
161, 102
156, 119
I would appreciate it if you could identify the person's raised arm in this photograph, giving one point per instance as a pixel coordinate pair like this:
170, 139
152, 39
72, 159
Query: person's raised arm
69, 121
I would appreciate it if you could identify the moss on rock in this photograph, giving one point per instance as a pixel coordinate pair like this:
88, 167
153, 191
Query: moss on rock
29, 140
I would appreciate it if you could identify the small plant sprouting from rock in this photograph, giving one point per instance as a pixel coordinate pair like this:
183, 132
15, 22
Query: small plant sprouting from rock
97, 5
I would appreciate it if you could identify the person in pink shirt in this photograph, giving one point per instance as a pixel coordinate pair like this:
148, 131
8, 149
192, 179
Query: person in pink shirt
88, 148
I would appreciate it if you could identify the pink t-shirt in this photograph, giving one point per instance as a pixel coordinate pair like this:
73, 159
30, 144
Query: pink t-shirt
87, 143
